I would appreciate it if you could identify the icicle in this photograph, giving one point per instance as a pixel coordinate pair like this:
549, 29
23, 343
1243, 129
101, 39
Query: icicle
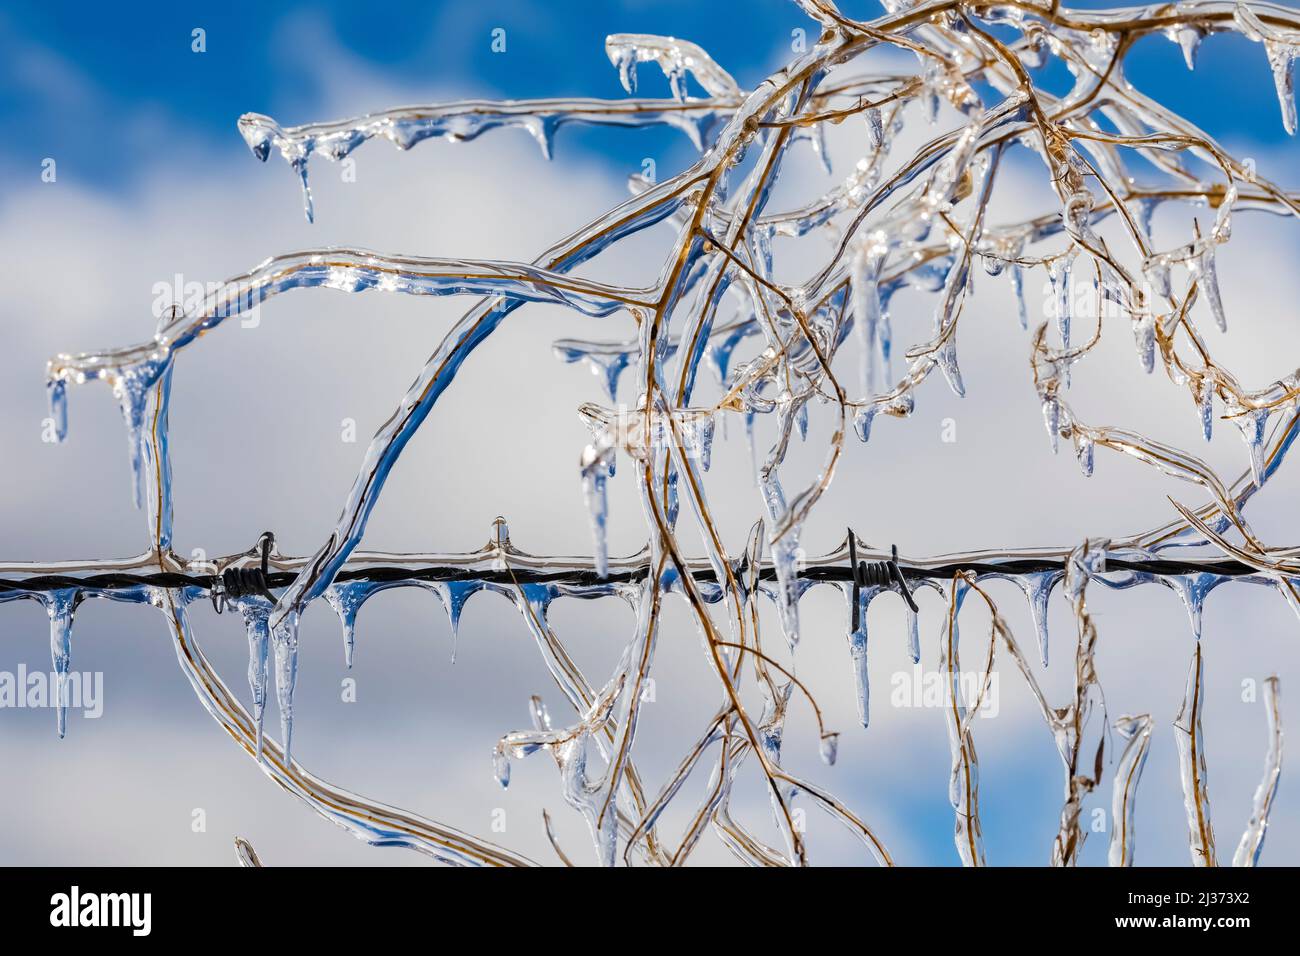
1252, 841
858, 651
285, 642
1059, 276
817, 140
785, 561
538, 713
607, 361
453, 595
597, 467
875, 127
1037, 587
1203, 270
346, 600
1144, 333
542, 131
1205, 403
299, 164
864, 276
1253, 424
132, 396
1188, 37
61, 606
913, 636
947, 358
830, 748
56, 391
1052, 419
1191, 590
1145, 209
862, 420
1281, 49
884, 343
749, 444
699, 438
501, 767
1156, 270
1281, 58
1123, 804
255, 613
670, 490
624, 60
1018, 289
1083, 450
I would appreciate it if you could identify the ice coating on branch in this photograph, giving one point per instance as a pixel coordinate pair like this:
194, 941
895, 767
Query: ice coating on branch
245, 853
1252, 841
677, 58
569, 748
963, 781
906, 217
1192, 765
1136, 732
467, 120
1080, 746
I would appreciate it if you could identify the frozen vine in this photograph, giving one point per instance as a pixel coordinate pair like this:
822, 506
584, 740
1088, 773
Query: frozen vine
897, 220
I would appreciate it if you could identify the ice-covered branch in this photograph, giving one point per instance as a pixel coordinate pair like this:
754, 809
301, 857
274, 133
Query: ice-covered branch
913, 218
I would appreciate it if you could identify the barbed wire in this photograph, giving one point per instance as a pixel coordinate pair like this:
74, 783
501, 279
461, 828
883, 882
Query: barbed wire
827, 569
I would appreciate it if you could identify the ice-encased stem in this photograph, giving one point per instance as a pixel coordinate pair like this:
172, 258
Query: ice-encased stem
371, 821
1252, 841
963, 781
1192, 766
1128, 773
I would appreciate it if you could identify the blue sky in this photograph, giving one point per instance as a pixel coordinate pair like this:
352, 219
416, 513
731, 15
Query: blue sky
68, 77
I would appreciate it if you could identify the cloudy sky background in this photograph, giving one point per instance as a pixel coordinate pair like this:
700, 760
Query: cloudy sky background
154, 181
